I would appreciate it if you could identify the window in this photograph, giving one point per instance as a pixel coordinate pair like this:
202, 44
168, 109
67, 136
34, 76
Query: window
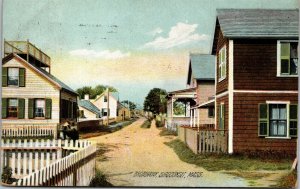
277, 120
222, 63
104, 112
13, 77
287, 58
105, 98
13, 108
39, 109
211, 112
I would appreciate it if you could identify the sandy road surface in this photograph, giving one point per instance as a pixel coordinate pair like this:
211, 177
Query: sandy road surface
133, 153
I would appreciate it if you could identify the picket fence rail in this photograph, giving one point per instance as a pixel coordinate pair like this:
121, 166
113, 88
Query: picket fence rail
50, 162
214, 141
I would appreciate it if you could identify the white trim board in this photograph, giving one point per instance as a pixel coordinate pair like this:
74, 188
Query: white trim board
222, 94
264, 91
230, 97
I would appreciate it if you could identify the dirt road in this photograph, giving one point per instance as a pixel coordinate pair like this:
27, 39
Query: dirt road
139, 157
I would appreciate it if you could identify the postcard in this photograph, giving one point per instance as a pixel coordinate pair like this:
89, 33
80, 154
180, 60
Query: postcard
149, 93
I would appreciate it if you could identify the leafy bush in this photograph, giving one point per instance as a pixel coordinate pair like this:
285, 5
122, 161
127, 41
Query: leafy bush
6, 176
100, 180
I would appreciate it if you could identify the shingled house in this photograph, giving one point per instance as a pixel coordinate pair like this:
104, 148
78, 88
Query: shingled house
31, 96
201, 76
256, 80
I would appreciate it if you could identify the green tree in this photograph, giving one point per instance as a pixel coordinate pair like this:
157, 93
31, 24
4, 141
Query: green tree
93, 92
132, 105
155, 101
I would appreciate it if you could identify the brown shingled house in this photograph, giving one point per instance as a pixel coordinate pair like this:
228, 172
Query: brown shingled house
256, 80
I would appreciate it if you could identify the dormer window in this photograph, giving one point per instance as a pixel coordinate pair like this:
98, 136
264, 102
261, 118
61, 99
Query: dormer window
13, 77
287, 58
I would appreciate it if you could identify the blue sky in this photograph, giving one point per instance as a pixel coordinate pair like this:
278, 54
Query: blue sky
133, 45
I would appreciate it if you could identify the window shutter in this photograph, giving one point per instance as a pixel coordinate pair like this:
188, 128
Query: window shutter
4, 108
75, 110
293, 120
21, 77
4, 77
21, 108
108, 111
48, 108
263, 120
285, 58
31, 108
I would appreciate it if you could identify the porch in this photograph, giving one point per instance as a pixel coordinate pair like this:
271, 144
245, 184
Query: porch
178, 108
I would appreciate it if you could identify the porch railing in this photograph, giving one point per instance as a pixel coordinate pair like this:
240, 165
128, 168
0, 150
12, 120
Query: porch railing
28, 130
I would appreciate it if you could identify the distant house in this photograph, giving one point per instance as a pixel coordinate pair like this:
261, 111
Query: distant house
31, 96
257, 79
201, 76
88, 110
189, 107
123, 112
103, 101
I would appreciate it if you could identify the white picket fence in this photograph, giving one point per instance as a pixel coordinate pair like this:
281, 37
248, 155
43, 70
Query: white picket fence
28, 130
50, 162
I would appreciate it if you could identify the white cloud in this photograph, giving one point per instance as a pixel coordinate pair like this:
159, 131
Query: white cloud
180, 34
106, 54
156, 31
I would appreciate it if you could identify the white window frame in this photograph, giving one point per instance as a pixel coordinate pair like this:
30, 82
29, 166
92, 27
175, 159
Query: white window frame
221, 63
279, 58
287, 103
8, 75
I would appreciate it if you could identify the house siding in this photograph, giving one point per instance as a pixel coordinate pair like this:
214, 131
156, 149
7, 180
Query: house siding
255, 67
205, 89
245, 124
222, 85
99, 103
204, 119
220, 100
35, 87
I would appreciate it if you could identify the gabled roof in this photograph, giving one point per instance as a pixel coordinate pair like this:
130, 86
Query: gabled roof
113, 94
259, 23
41, 72
202, 67
89, 106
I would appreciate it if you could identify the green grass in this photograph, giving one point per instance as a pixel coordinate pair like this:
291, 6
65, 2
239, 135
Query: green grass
166, 132
100, 180
146, 124
218, 162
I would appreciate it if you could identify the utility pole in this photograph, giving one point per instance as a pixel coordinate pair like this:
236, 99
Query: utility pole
107, 106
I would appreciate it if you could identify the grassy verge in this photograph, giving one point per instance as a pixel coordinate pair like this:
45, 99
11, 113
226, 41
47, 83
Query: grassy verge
146, 124
100, 180
288, 181
218, 162
166, 132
